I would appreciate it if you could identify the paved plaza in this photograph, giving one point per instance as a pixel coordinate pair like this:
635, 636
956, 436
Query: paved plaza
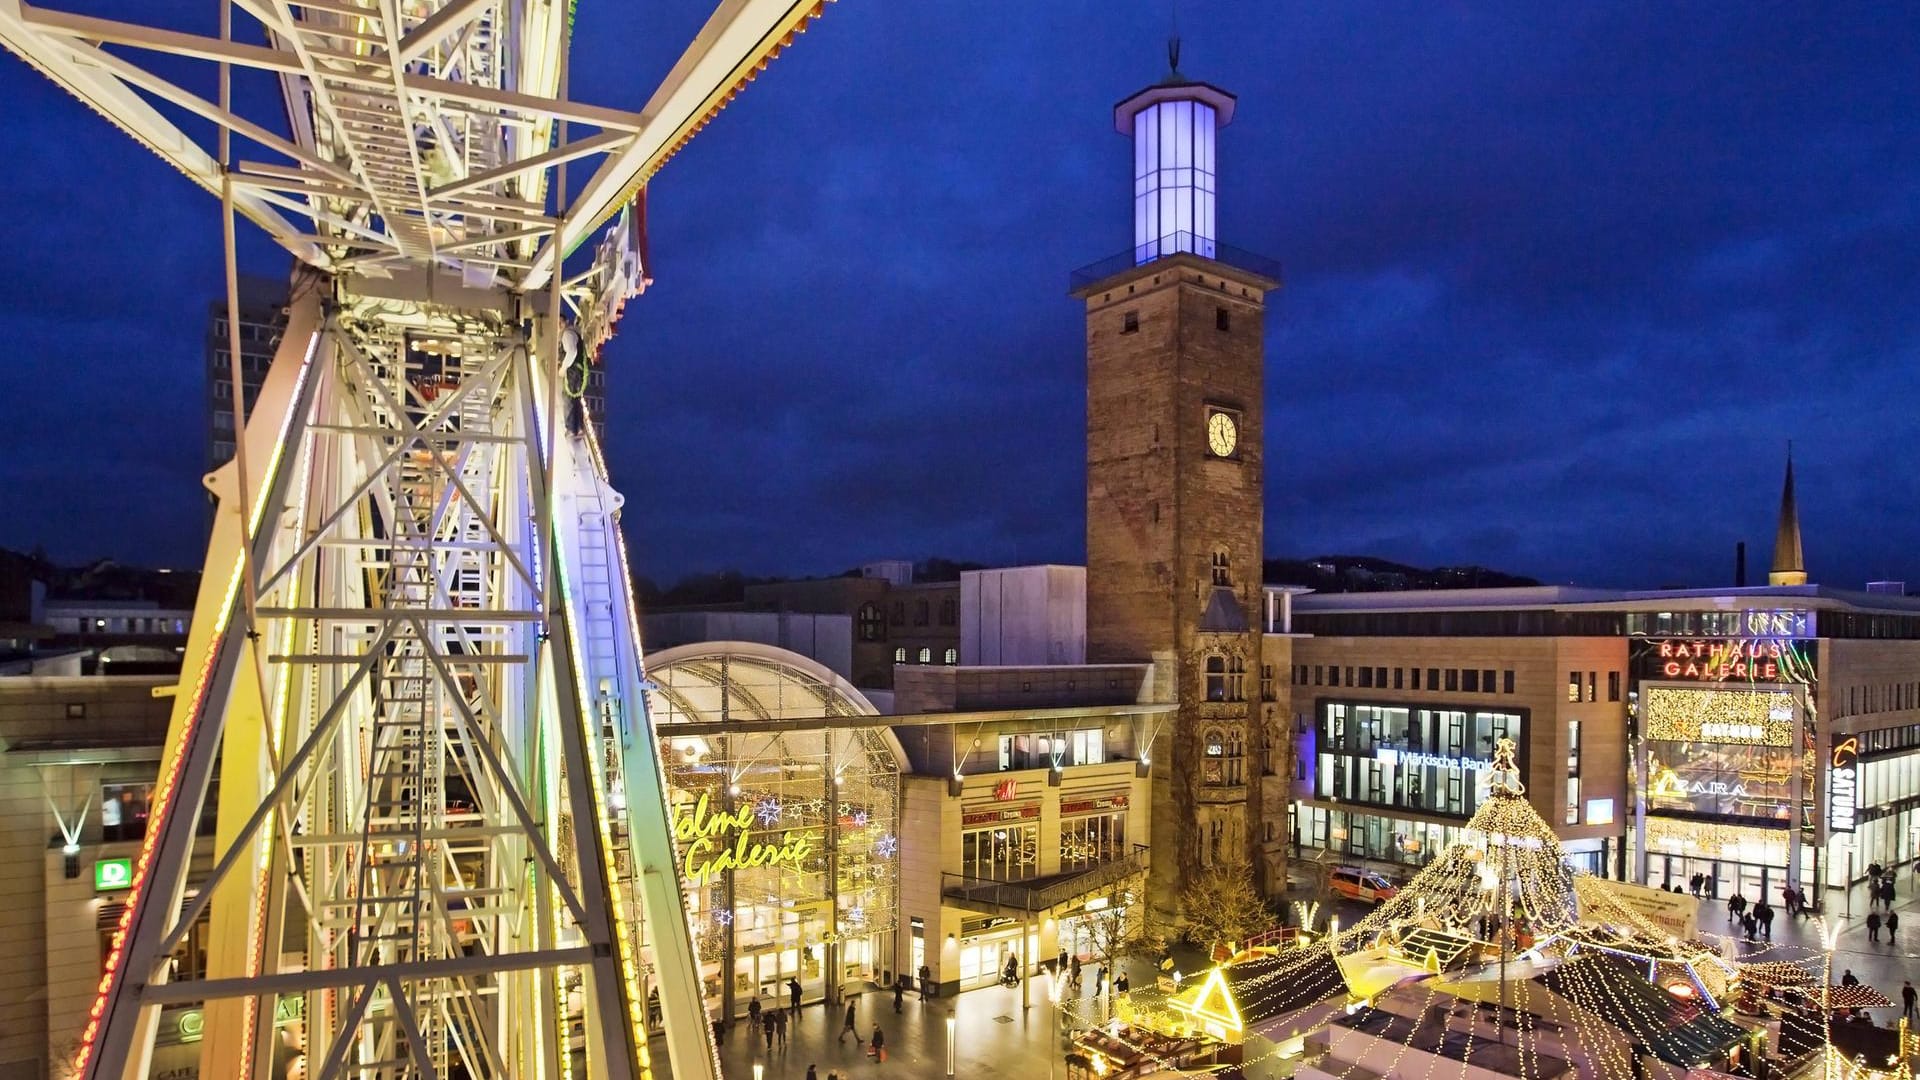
996, 1037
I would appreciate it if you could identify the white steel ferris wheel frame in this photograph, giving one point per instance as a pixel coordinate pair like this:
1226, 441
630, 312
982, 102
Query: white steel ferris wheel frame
414, 659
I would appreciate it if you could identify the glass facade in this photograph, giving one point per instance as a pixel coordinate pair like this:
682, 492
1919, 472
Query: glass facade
1423, 759
1173, 187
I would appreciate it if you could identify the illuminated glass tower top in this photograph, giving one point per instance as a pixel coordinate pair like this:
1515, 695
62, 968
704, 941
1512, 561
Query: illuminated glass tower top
1173, 124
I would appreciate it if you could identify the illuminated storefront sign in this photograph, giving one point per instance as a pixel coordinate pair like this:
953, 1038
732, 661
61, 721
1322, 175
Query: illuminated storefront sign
1747, 717
1599, 811
1390, 756
1737, 660
1094, 806
1006, 790
111, 874
702, 831
1843, 786
1001, 815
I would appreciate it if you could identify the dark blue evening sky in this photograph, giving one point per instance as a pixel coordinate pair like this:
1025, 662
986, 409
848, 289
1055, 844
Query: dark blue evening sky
1562, 282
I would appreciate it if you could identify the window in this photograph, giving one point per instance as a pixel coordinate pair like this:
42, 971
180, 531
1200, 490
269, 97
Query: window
1506, 681
1216, 678
1222, 568
1366, 676
1433, 678
1573, 686
1613, 686
1236, 679
1573, 800
1087, 746
926, 655
1399, 674
1486, 680
1222, 319
1573, 772
920, 613
1471, 683
952, 657
1413, 677
900, 655
1224, 759
1266, 682
1001, 853
123, 811
949, 611
1130, 322
1593, 686
899, 613
1453, 679
1092, 839
1380, 677
1333, 675
873, 626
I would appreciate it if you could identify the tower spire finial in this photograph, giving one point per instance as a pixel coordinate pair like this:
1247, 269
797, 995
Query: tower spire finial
1173, 37
1789, 563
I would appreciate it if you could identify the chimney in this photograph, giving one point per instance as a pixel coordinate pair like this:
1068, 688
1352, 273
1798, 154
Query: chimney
1740, 565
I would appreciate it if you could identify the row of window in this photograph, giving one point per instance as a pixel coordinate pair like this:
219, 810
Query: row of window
1226, 678
1889, 740
1453, 680
871, 625
1885, 697
1224, 764
1084, 746
1222, 321
1011, 852
1592, 686
925, 656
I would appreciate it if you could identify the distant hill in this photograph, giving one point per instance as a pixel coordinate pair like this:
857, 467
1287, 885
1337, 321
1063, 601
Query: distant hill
1364, 573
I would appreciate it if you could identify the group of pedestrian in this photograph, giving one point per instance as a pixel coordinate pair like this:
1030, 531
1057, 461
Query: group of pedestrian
1796, 901
1757, 920
772, 1022
1880, 890
1875, 920
876, 1045
1701, 886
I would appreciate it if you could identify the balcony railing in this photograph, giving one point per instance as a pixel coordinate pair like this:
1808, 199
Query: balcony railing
1179, 243
1040, 894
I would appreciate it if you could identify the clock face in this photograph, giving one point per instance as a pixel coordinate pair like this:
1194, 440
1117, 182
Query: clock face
1223, 435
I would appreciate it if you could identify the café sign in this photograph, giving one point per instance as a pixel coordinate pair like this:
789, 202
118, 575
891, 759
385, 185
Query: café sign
718, 841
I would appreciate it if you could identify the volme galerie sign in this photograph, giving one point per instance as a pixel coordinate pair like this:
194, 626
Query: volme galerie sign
1389, 756
1843, 786
708, 852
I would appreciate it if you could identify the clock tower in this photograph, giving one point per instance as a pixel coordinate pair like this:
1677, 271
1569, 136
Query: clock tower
1175, 465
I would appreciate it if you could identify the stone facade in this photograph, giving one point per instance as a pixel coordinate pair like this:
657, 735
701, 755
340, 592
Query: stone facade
1174, 536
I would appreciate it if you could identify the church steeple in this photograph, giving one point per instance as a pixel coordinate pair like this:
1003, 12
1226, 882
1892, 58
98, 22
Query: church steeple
1789, 564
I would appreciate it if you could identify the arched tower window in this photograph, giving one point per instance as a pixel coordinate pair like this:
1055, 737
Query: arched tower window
1236, 680
873, 625
1213, 757
1222, 567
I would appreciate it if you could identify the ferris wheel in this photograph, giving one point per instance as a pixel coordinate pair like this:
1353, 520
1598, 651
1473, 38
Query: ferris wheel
442, 846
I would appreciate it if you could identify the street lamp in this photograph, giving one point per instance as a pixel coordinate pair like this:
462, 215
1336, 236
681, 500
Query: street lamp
759, 1070
950, 1045
1829, 934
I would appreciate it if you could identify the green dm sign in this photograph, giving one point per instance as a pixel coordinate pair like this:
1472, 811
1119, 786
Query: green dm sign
111, 874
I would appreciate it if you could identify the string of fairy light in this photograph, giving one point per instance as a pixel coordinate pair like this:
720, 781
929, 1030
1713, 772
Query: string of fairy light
1508, 859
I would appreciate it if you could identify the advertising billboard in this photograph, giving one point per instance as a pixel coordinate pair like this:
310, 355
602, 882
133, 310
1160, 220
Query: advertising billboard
1721, 751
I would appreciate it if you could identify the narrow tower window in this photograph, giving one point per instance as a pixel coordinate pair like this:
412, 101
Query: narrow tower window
1222, 319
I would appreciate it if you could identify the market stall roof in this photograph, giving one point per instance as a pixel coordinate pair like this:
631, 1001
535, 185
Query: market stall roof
1678, 1032
1268, 987
1856, 996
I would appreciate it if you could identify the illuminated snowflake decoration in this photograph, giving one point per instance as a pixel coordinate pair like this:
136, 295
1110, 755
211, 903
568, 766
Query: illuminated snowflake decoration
860, 819
856, 914
724, 917
767, 810
886, 846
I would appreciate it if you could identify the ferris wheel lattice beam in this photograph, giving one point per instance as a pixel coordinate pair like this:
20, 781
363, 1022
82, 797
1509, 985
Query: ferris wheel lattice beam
442, 840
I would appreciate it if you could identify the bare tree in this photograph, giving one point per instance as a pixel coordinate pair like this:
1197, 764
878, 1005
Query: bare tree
1223, 906
1125, 928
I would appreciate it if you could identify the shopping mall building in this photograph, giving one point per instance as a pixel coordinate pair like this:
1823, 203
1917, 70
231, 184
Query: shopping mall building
1752, 735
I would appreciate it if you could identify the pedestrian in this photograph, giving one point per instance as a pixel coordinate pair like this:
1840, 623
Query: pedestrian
926, 981
1099, 979
811, 1075
793, 995
1849, 979
766, 1025
1120, 983
1889, 891
878, 1048
780, 1026
1907, 998
847, 1028
1893, 924
899, 996
1060, 966
1873, 926
1074, 978
1763, 911
1736, 906
753, 1012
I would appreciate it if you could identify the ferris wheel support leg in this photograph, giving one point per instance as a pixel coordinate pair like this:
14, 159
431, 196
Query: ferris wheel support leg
117, 1040
619, 1039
